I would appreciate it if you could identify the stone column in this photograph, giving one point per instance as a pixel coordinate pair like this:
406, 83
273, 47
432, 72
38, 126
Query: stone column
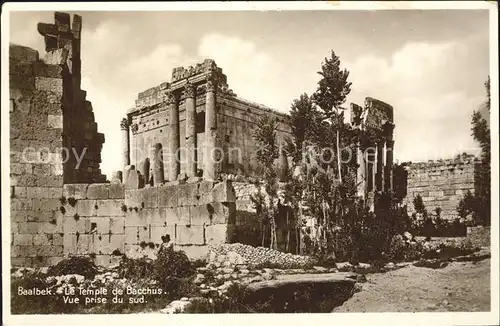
361, 172
210, 165
124, 126
379, 179
158, 176
144, 170
389, 156
370, 173
174, 167
191, 165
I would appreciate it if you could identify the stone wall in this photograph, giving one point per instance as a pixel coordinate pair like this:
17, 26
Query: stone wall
237, 120
440, 184
195, 215
107, 220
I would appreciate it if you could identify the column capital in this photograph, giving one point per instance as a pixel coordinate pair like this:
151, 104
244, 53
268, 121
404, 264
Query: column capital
189, 90
124, 124
170, 97
211, 85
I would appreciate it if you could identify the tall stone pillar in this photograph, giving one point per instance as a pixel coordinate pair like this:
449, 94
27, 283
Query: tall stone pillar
361, 172
370, 163
144, 170
174, 167
124, 126
389, 156
210, 161
379, 177
191, 165
158, 176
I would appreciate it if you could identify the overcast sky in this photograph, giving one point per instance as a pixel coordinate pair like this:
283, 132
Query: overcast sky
430, 65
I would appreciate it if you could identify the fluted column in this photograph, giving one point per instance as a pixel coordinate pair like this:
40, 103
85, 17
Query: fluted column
209, 166
191, 165
379, 178
174, 167
124, 126
389, 156
370, 158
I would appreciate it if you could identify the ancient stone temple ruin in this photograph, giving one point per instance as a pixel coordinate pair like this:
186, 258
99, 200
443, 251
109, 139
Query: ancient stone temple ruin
375, 160
193, 126
188, 147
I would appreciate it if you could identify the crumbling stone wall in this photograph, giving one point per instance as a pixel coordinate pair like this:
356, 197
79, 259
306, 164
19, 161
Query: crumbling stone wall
440, 184
50, 121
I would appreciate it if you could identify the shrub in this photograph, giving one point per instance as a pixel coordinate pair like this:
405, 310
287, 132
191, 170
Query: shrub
135, 269
172, 263
74, 265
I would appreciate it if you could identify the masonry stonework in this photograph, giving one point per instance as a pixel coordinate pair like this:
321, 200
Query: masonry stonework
440, 184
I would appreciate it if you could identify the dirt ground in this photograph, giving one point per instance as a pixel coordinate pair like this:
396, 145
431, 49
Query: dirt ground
461, 286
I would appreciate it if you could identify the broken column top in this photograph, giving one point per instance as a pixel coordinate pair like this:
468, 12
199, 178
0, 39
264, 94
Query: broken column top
56, 35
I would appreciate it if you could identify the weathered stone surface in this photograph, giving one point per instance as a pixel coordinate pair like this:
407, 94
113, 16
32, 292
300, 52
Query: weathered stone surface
304, 279
223, 192
134, 180
167, 196
117, 191
192, 235
76, 191
98, 191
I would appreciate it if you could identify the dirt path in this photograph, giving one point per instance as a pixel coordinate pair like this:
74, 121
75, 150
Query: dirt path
457, 287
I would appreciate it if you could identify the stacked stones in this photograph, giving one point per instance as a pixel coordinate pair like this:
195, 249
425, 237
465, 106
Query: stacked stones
238, 253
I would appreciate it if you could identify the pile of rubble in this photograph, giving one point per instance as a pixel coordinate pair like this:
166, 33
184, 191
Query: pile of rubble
256, 257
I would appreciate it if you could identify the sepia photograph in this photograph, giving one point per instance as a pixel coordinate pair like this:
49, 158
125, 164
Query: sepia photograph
250, 158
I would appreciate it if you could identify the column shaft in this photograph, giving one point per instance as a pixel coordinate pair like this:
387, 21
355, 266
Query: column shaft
361, 172
388, 165
124, 126
379, 179
174, 167
210, 165
191, 165
158, 176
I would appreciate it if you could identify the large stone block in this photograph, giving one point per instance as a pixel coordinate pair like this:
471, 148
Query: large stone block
167, 196
86, 207
222, 213
98, 225
117, 191
85, 244
158, 231
200, 215
205, 192
183, 216
187, 194
223, 192
150, 197
54, 85
21, 204
46, 204
76, 191
117, 225
18, 192
98, 191
190, 235
69, 243
109, 207
134, 198
135, 218
41, 216
19, 216
44, 192
43, 239
76, 225
217, 234
135, 234
22, 239
43, 251
134, 180
155, 216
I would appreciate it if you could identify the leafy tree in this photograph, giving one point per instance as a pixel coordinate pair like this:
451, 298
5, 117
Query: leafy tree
479, 204
332, 91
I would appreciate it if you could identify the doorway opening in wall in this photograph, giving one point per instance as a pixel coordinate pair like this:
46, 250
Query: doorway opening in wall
200, 122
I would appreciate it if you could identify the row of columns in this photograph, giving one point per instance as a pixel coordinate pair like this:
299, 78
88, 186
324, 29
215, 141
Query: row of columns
174, 167
375, 174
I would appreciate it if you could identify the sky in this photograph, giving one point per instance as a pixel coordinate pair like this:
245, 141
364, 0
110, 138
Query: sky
430, 65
